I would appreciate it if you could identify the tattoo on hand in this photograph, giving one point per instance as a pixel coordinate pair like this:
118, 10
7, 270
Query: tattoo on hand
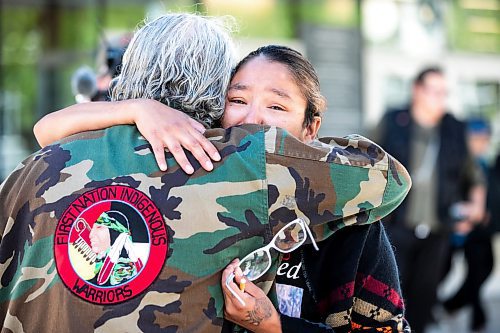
261, 311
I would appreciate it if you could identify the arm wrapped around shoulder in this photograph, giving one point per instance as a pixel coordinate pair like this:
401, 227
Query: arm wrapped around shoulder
332, 182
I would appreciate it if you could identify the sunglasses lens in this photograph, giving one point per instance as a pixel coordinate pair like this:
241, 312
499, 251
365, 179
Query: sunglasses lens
255, 264
290, 238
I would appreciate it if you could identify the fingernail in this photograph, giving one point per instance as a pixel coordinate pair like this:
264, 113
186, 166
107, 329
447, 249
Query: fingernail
208, 165
163, 167
189, 169
216, 157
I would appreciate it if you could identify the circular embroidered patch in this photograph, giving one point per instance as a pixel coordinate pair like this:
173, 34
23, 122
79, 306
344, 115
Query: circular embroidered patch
110, 244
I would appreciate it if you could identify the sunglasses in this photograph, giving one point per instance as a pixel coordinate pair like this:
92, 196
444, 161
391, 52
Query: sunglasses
258, 262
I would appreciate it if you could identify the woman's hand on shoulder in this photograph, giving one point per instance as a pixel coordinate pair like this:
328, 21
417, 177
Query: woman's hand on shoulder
165, 127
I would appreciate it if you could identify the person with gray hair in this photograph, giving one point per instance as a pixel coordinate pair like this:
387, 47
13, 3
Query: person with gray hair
163, 73
194, 223
181, 60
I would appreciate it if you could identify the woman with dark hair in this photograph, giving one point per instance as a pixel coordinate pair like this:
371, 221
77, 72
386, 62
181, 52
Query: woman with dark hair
351, 284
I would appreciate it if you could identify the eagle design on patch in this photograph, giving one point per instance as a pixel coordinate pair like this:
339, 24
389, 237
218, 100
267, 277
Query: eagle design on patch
105, 240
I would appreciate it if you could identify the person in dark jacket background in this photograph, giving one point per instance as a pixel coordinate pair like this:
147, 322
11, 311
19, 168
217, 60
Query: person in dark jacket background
431, 144
477, 244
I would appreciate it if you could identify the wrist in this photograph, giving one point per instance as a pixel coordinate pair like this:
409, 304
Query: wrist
134, 109
272, 324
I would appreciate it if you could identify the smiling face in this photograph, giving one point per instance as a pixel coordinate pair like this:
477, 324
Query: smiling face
264, 92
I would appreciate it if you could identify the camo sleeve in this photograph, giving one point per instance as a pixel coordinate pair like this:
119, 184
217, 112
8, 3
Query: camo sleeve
20, 268
337, 181
17, 199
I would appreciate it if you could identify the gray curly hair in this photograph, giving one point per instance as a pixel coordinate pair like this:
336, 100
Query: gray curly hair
182, 60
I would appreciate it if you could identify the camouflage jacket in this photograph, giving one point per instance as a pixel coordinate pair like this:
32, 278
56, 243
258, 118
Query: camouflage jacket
95, 206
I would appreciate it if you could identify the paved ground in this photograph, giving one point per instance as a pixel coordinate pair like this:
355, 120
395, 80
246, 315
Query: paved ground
459, 323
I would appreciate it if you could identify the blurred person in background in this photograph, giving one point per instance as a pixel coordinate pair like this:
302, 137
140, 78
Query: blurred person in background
87, 85
109, 70
493, 200
431, 143
477, 243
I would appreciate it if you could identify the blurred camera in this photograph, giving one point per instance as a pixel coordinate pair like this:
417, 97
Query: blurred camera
114, 57
89, 86
84, 84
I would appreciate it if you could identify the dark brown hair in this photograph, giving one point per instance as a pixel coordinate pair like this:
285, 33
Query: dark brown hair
420, 78
301, 70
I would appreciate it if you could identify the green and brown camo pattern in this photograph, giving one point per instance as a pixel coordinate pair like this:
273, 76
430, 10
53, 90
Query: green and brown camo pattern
266, 178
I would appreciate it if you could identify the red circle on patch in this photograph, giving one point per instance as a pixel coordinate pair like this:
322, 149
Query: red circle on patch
110, 244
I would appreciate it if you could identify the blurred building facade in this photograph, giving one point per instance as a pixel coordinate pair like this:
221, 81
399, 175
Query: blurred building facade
366, 52
462, 37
